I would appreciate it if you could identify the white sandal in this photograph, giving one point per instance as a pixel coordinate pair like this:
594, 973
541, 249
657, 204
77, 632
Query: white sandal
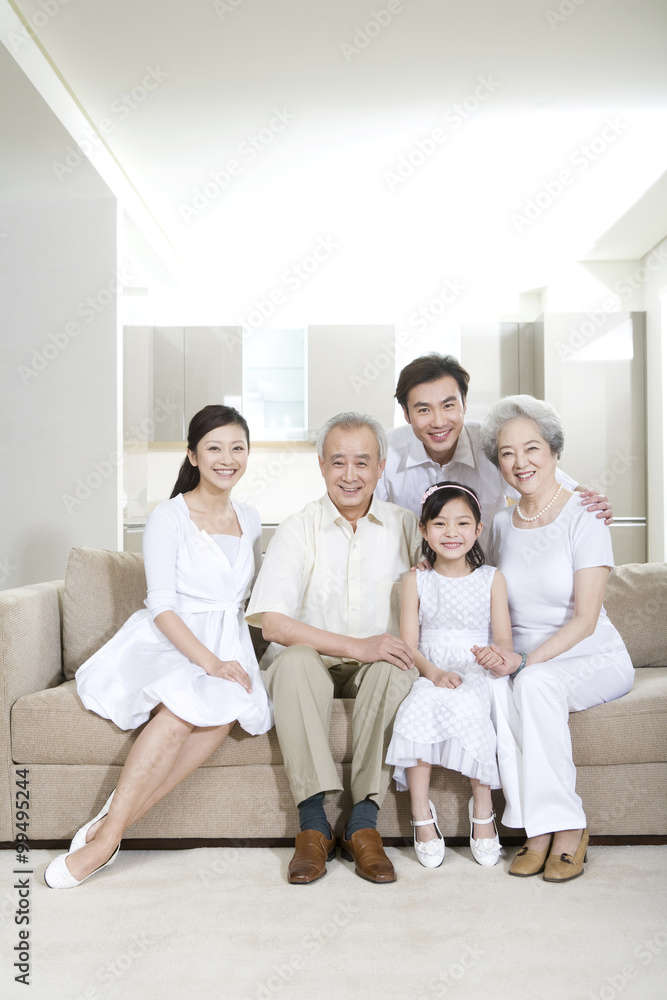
430, 853
486, 850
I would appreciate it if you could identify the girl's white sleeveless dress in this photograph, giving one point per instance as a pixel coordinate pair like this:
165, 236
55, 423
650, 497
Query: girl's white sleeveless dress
450, 727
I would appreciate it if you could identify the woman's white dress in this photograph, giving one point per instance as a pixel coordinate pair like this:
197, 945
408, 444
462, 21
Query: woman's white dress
202, 579
450, 727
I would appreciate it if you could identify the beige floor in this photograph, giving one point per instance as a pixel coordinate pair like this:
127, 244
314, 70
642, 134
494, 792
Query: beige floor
224, 923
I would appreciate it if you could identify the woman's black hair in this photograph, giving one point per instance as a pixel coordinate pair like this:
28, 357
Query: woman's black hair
201, 424
435, 501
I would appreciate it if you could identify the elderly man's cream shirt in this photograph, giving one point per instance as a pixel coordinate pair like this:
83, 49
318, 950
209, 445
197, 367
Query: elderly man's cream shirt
319, 571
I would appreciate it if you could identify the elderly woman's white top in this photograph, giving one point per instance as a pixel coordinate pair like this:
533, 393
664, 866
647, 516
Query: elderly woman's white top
539, 566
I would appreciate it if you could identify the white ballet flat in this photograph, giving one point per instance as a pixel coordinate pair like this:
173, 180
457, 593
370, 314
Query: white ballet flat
430, 853
58, 875
79, 838
485, 851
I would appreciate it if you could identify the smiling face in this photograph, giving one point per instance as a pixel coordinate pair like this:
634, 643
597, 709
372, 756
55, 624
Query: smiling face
221, 457
525, 458
453, 532
435, 411
351, 468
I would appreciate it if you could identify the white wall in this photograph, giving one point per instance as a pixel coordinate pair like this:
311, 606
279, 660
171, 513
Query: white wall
59, 407
652, 273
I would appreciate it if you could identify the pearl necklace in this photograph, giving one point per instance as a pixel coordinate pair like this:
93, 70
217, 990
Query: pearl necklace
544, 509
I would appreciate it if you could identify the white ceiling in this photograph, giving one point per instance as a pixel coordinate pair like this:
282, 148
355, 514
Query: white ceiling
326, 167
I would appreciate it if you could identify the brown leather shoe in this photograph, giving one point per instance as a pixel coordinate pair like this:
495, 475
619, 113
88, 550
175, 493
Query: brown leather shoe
528, 862
565, 867
370, 862
312, 850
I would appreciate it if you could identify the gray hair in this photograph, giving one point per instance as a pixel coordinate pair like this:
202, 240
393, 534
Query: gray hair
353, 421
512, 407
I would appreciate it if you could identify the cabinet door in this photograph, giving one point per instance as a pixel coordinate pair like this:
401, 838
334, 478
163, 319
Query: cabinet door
490, 353
137, 383
168, 383
351, 368
213, 356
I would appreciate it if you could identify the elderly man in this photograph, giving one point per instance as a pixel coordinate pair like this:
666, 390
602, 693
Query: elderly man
328, 592
439, 443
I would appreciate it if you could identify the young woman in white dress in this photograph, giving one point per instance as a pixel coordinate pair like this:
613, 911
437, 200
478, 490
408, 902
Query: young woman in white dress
458, 604
186, 661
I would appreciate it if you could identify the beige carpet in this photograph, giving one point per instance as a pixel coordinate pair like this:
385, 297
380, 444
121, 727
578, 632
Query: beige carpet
223, 923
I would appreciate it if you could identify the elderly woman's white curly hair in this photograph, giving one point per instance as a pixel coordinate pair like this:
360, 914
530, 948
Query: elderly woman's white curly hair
511, 407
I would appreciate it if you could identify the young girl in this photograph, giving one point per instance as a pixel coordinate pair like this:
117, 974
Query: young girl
446, 719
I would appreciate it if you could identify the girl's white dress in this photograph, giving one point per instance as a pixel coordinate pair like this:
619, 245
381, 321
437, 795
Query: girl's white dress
450, 726
206, 579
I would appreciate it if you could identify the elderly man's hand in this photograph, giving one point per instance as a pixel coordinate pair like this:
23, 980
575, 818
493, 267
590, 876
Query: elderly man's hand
386, 647
593, 500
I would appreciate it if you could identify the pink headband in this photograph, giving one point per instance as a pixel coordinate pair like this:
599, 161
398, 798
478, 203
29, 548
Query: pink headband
447, 486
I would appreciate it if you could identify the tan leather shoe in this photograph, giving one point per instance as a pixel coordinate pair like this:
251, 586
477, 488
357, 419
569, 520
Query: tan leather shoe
565, 867
312, 850
370, 862
528, 862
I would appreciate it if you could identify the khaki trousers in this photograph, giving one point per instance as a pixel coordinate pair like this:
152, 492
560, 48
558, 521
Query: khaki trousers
302, 688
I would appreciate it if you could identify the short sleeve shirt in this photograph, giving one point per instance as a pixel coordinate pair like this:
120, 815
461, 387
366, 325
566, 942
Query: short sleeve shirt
318, 571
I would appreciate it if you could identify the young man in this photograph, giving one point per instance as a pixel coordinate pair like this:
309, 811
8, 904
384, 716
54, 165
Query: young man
328, 594
439, 443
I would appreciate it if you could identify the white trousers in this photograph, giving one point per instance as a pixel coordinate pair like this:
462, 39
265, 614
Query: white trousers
537, 773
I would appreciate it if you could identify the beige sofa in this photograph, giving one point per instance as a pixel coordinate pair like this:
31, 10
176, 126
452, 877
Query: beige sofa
74, 757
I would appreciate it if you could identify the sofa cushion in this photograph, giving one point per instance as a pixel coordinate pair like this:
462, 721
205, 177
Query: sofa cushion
636, 602
53, 727
102, 590
629, 730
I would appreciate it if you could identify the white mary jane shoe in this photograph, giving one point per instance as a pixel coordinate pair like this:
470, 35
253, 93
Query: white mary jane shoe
79, 838
430, 853
58, 875
485, 851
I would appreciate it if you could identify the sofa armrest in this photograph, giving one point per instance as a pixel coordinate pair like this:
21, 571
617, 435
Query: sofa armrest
30, 660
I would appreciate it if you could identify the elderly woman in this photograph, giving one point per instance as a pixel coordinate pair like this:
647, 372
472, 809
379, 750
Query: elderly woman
556, 559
